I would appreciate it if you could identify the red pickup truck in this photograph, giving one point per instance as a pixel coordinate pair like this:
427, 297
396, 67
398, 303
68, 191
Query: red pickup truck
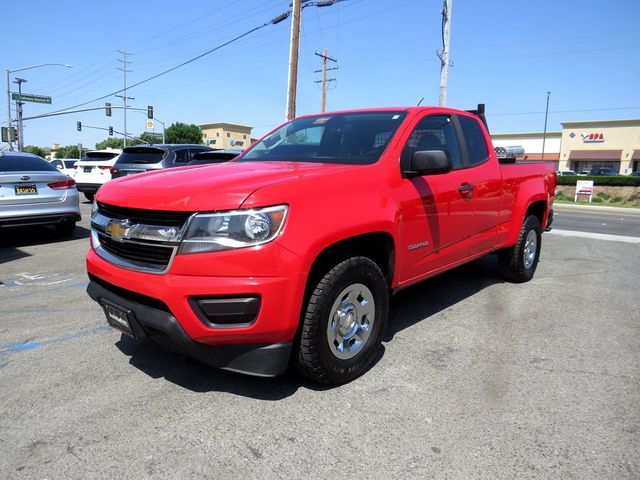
288, 253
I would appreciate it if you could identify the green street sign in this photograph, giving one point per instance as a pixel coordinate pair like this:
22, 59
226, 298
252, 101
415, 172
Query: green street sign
28, 97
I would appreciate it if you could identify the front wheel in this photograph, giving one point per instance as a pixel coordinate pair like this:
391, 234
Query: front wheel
519, 262
344, 321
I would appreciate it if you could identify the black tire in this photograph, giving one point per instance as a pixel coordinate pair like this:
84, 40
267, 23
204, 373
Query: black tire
89, 196
515, 265
317, 360
66, 228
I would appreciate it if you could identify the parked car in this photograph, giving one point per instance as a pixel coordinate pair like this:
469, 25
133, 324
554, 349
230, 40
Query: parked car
144, 158
34, 192
216, 156
566, 172
64, 165
635, 174
289, 252
602, 171
94, 170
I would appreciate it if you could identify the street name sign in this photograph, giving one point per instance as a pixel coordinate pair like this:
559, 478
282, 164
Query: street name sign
29, 97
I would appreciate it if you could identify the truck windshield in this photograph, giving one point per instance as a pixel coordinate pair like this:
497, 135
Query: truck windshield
350, 138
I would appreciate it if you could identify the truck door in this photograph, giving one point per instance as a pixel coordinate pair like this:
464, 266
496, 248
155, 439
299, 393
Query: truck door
485, 180
436, 216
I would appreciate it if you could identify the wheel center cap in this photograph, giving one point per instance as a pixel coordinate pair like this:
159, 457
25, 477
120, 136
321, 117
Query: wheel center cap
346, 320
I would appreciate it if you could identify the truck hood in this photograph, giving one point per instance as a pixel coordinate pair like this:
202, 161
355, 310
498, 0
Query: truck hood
205, 188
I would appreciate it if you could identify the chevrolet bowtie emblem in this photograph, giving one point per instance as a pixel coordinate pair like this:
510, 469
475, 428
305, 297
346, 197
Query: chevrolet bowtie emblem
117, 229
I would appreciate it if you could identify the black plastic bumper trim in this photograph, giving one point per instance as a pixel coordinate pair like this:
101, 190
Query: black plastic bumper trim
226, 312
39, 219
263, 360
88, 187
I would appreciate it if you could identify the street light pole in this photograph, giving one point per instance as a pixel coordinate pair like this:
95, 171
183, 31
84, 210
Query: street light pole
9, 72
544, 134
20, 81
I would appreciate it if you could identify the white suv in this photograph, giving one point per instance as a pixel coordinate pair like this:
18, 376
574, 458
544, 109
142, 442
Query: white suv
94, 170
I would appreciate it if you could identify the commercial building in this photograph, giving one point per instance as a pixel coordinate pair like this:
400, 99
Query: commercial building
226, 135
611, 144
580, 146
533, 144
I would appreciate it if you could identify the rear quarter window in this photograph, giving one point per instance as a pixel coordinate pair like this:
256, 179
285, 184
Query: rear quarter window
474, 140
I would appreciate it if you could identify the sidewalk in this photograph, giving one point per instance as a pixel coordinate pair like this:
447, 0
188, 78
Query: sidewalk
592, 208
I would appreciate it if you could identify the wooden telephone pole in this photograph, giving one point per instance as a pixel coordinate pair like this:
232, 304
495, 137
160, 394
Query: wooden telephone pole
324, 80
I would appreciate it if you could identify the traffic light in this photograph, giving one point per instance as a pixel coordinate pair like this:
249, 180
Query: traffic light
150, 111
111, 131
79, 126
107, 109
13, 134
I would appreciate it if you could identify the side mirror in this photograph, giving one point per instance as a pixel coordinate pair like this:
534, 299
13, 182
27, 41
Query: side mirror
59, 167
429, 162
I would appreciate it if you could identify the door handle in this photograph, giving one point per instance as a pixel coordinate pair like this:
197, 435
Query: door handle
465, 188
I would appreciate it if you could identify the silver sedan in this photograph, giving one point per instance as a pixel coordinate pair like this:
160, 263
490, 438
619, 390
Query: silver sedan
33, 192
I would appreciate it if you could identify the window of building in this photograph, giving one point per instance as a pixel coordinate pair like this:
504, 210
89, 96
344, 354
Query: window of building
204, 135
228, 134
244, 137
217, 134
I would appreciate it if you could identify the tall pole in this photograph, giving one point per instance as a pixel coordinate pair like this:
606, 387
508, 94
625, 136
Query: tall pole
544, 134
325, 80
124, 95
20, 81
293, 60
444, 56
9, 111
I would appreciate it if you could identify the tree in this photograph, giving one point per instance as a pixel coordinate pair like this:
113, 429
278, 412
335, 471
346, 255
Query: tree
70, 151
183, 133
35, 150
110, 142
149, 137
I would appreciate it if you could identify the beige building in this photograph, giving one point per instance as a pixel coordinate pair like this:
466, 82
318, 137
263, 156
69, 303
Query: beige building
611, 144
226, 135
532, 143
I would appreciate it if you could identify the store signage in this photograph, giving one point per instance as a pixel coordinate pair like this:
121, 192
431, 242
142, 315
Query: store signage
584, 187
593, 137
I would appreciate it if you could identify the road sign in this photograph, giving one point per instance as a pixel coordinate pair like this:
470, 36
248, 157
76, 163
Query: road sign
149, 123
584, 187
28, 97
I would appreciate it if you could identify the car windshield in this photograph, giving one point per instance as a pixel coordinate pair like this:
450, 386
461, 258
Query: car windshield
19, 163
141, 155
350, 138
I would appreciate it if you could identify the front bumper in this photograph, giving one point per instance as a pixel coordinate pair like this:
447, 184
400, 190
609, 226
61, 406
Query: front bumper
156, 323
50, 219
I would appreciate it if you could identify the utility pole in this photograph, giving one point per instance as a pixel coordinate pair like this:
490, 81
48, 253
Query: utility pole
9, 111
444, 55
294, 47
19, 103
124, 93
324, 80
544, 134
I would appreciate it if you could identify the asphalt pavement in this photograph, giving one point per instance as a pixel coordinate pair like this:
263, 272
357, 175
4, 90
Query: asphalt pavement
606, 220
478, 378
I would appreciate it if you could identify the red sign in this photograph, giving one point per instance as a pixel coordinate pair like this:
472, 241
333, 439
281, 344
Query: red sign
593, 137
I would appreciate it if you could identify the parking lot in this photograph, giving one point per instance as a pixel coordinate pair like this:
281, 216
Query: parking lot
478, 379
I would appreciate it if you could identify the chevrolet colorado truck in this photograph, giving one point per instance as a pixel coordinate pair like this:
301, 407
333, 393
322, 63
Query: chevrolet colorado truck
288, 254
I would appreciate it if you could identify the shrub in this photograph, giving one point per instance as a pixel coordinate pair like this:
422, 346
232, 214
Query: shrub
616, 200
615, 181
597, 200
603, 195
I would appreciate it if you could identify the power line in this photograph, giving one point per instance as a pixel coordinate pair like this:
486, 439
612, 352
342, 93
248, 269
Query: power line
275, 20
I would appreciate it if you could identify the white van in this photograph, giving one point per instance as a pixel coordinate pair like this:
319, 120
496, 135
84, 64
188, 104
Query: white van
94, 170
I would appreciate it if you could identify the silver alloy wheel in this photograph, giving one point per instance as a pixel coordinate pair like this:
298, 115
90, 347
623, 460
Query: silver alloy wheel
350, 321
530, 249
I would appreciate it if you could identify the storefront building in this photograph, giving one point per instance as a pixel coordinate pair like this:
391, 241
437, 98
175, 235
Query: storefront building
226, 135
610, 144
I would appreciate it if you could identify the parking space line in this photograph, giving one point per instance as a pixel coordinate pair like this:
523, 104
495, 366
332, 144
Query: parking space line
20, 347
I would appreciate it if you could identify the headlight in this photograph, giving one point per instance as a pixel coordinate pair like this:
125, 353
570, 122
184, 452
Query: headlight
94, 209
210, 232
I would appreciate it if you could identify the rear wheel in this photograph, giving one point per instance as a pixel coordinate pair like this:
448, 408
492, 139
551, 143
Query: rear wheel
519, 262
343, 323
89, 196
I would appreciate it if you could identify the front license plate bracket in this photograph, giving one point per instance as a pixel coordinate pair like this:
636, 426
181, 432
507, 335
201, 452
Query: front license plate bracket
119, 317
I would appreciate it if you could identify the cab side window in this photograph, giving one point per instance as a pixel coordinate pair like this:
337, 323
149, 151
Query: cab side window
182, 156
434, 132
474, 141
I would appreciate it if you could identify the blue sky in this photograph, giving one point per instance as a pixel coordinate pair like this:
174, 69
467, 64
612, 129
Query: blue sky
507, 54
